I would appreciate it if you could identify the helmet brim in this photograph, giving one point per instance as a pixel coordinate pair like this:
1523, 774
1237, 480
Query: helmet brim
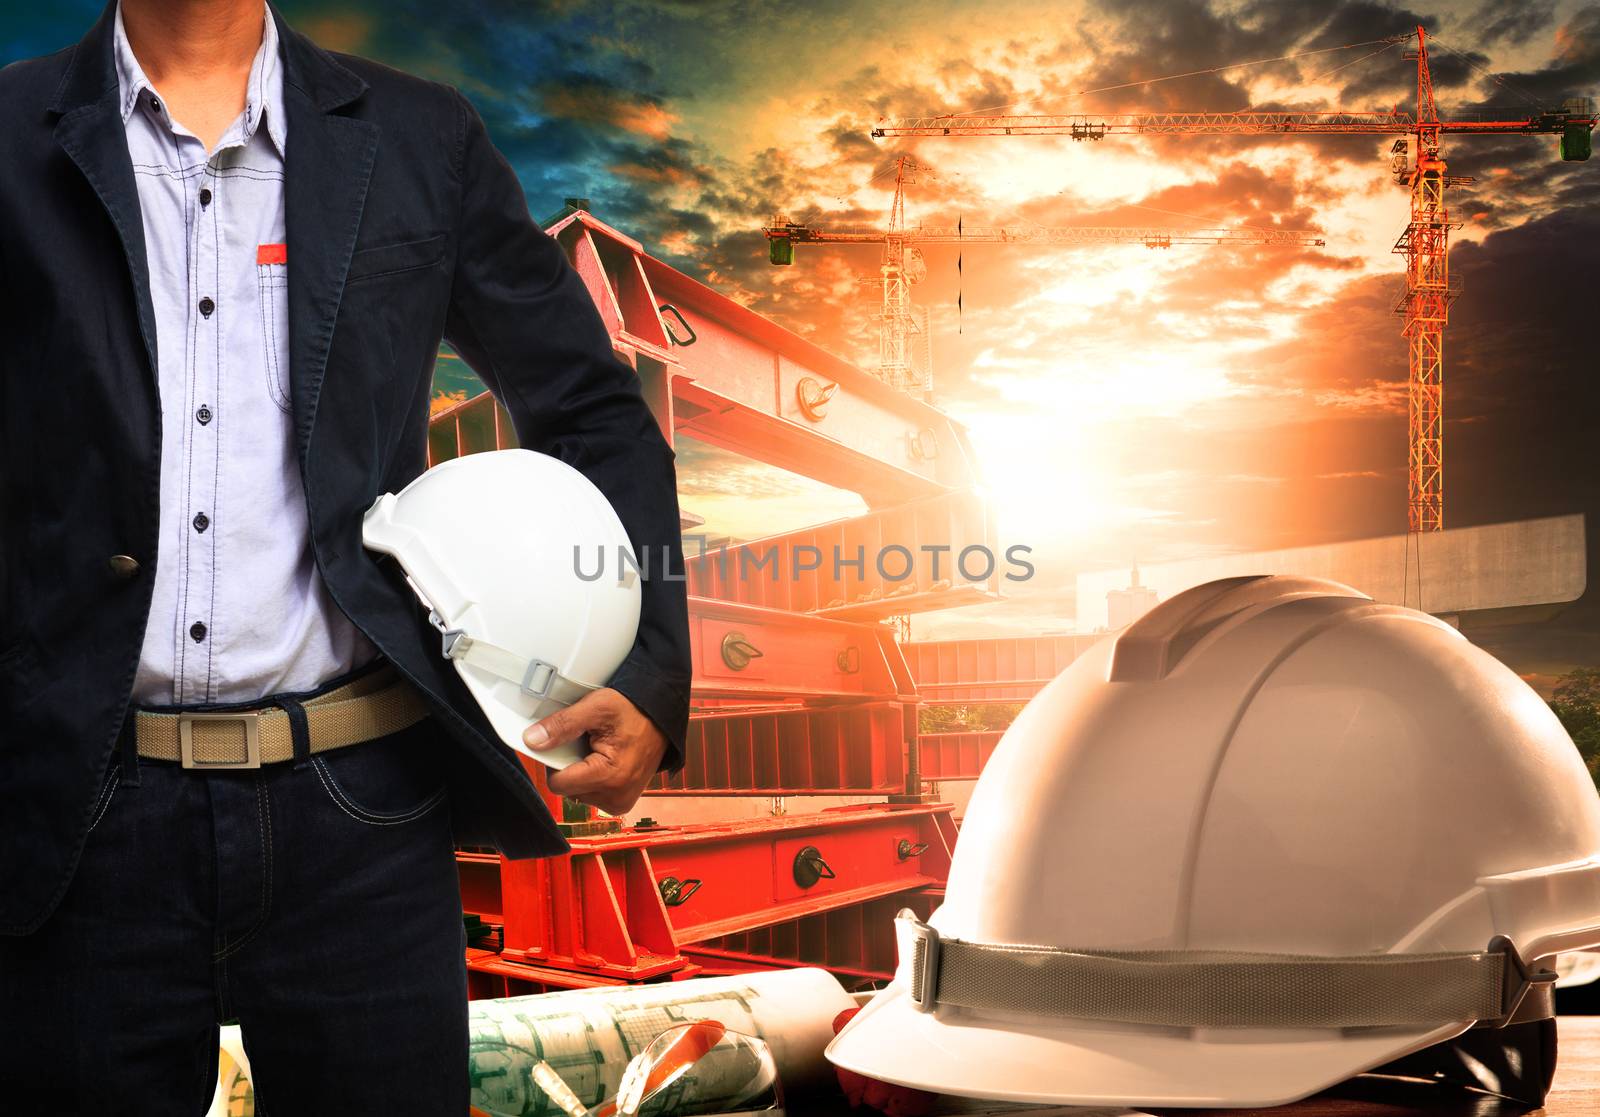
1104, 1064
509, 714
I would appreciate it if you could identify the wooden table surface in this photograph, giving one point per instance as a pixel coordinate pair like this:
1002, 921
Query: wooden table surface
1577, 1087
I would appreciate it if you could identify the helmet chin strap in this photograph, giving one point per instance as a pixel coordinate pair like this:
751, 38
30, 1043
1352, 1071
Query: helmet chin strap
536, 678
1225, 989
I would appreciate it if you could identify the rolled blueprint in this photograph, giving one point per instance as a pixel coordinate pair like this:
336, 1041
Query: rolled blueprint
589, 1035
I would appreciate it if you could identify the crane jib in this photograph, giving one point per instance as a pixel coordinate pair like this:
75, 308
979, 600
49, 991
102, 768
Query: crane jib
1084, 127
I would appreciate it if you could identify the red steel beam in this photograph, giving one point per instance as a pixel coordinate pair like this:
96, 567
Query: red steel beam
620, 905
848, 942
956, 756
799, 656
1003, 669
492, 977
736, 379
719, 372
840, 750
749, 867
467, 427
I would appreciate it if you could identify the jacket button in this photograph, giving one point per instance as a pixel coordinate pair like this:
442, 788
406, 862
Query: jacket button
123, 566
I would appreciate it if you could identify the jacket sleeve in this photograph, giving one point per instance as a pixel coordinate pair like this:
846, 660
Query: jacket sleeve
522, 318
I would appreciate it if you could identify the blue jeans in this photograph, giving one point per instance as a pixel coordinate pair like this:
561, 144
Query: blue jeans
315, 901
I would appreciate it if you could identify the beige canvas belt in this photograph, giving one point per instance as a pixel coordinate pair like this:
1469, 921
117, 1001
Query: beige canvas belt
374, 705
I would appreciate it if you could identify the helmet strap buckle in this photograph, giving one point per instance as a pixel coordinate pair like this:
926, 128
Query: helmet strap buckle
925, 951
546, 673
1516, 981
448, 636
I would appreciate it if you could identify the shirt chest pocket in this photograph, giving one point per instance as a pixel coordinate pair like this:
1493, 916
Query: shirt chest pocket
272, 285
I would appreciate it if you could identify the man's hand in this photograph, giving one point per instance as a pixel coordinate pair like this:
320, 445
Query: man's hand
625, 750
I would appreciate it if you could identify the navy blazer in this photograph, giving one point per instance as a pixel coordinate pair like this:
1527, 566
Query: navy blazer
405, 226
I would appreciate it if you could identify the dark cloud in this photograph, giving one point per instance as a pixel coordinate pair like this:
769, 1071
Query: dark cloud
29, 30
1496, 21
1575, 69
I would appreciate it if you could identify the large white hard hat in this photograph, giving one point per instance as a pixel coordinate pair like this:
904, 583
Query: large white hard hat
1271, 836
520, 560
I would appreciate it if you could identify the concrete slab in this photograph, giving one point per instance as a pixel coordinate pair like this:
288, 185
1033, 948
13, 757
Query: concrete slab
1495, 573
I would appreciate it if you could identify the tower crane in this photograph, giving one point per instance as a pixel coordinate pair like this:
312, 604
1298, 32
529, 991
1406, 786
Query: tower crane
899, 321
1425, 302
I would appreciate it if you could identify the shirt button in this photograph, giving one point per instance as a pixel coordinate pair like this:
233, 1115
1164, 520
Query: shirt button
207, 306
201, 521
198, 631
203, 415
205, 196
123, 566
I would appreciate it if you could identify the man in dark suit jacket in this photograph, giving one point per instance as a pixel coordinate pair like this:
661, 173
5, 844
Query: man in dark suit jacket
144, 898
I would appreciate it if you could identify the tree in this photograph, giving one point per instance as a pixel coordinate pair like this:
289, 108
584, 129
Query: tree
1576, 701
964, 719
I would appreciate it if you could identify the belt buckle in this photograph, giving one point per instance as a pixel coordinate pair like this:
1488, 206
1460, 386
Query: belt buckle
252, 740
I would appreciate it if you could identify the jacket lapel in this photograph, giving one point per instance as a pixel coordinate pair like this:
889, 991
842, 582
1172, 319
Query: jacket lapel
327, 167
91, 132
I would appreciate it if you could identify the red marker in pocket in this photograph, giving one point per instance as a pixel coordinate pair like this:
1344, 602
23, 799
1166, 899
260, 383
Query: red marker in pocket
272, 254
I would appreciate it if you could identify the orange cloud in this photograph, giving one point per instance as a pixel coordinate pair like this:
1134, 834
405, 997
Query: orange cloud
665, 174
346, 31
599, 105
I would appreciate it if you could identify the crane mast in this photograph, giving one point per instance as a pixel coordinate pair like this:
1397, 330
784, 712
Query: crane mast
1425, 304
1425, 301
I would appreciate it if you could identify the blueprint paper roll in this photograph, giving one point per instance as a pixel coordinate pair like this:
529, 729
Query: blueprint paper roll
233, 1096
589, 1035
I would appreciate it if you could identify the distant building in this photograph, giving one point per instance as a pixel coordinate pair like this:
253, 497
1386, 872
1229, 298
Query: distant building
1125, 606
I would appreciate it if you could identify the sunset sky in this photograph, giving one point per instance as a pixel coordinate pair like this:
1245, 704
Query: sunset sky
1125, 403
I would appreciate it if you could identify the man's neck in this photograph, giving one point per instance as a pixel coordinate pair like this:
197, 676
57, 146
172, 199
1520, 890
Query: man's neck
194, 41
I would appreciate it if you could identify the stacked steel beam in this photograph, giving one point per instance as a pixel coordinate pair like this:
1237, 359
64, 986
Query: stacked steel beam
800, 687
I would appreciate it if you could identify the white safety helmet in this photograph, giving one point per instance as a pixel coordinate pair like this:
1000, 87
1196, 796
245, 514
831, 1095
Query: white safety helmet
526, 571
1271, 836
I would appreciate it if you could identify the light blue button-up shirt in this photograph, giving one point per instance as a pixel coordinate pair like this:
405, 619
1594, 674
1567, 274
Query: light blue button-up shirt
240, 610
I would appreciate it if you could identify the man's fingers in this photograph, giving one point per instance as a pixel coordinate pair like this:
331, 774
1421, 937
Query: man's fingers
588, 713
593, 781
625, 750
592, 773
